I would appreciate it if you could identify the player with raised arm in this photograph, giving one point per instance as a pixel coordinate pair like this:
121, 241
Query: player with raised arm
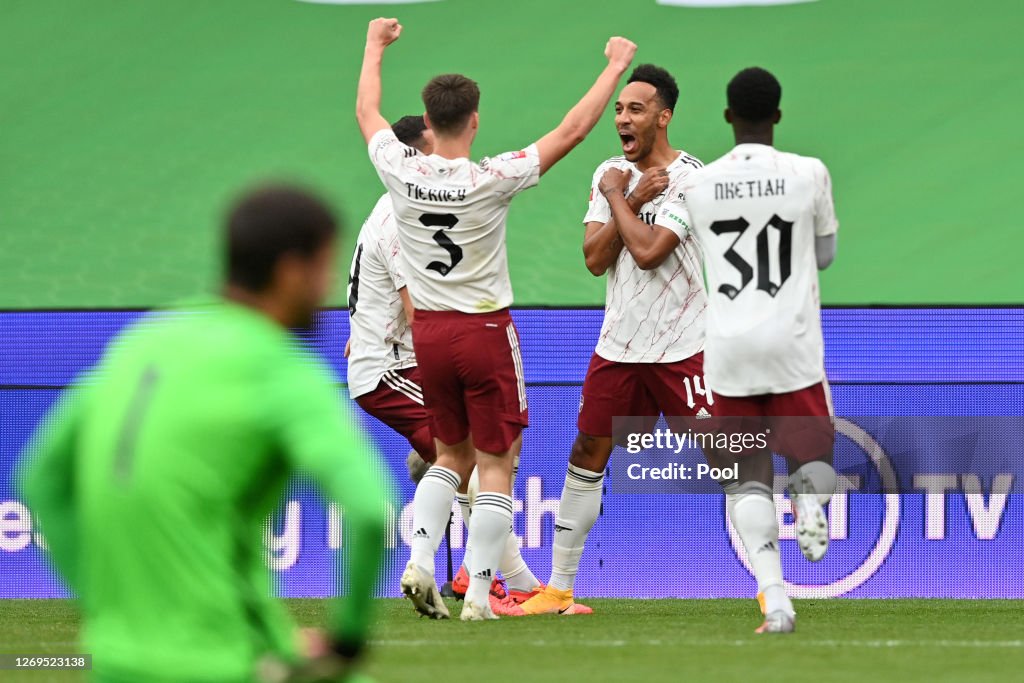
154, 481
451, 215
648, 359
766, 223
383, 377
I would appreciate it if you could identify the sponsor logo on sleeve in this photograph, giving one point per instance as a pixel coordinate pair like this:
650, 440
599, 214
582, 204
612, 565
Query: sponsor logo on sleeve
677, 219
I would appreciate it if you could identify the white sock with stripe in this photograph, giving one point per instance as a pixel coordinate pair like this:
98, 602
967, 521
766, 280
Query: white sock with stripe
577, 511
432, 505
513, 567
752, 511
488, 531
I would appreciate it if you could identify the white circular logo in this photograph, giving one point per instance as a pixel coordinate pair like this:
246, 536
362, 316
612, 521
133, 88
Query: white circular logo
886, 537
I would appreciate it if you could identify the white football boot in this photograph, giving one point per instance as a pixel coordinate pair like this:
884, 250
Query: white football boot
420, 587
778, 621
809, 516
472, 611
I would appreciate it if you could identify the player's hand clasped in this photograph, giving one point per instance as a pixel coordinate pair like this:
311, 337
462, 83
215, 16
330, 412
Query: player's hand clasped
382, 32
614, 180
652, 183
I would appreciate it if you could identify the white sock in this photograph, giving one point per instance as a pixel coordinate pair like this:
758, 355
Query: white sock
752, 510
432, 505
820, 479
463, 500
577, 511
513, 567
488, 529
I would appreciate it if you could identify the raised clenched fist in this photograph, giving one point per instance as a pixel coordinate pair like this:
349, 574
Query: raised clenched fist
620, 51
383, 32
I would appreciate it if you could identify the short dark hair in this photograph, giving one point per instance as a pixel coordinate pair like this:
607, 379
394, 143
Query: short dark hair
754, 94
409, 129
450, 99
664, 84
269, 222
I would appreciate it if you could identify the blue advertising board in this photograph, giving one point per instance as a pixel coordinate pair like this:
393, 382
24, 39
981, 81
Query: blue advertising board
960, 539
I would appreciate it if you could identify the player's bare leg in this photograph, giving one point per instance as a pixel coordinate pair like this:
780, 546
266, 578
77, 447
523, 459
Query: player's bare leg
489, 527
432, 506
577, 511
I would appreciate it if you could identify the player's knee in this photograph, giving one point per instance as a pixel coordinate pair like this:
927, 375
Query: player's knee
591, 452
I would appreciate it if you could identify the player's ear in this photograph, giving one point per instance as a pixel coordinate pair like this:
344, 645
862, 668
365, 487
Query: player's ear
474, 120
664, 118
426, 120
778, 116
728, 115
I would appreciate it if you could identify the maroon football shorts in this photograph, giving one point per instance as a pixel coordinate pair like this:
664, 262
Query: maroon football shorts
614, 389
798, 423
398, 402
473, 381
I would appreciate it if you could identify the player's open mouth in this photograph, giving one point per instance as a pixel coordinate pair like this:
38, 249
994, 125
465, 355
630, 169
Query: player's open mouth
628, 143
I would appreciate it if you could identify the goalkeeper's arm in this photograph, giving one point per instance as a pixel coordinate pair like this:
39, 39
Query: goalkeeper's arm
321, 440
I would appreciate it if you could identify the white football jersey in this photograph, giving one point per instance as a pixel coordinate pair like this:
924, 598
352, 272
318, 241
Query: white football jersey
651, 316
379, 331
451, 222
756, 212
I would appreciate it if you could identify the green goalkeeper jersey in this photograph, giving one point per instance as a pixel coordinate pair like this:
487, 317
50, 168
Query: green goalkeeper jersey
154, 479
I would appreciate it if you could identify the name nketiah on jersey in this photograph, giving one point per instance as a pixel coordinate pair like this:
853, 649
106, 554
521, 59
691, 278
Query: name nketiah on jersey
451, 215
380, 333
756, 212
651, 316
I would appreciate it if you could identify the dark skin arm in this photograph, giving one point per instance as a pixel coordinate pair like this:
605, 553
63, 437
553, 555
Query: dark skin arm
602, 242
649, 246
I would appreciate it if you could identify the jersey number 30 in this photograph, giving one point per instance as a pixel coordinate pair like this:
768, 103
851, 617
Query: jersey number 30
444, 221
746, 271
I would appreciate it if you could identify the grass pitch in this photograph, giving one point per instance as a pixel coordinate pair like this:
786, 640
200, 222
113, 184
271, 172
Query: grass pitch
645, 640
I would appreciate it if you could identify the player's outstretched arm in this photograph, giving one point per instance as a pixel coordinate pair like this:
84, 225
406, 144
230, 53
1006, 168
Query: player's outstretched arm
582, 118
648, 245
379, 34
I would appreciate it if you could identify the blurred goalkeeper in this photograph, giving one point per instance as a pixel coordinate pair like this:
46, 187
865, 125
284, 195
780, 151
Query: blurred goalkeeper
154, 478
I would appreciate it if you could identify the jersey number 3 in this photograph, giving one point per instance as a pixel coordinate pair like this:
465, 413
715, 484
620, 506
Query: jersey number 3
746, 271
444, 221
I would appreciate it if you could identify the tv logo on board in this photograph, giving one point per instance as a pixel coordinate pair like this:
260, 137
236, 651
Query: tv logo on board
985, 512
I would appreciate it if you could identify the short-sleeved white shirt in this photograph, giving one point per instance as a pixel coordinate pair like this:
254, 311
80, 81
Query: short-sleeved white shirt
756, 212
657, 315
380, 334
451, 216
